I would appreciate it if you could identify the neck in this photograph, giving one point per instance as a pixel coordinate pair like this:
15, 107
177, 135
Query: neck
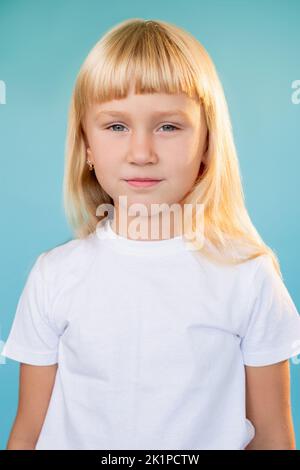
161, 226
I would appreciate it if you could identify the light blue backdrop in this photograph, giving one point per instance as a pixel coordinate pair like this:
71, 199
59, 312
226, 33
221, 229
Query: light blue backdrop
255, 47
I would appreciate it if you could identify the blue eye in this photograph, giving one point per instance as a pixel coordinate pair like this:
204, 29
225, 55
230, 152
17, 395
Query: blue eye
165, 125
170, 125
114, 125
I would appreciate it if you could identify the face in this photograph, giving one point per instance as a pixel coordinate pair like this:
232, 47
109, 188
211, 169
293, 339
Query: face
158, 136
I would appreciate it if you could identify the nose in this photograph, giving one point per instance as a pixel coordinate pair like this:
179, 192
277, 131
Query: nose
141, 149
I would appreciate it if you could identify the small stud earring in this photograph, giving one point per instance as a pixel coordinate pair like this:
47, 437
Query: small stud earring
91, 166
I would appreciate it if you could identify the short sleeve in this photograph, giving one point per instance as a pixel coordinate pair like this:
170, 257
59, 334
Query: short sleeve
33, 339
273, 330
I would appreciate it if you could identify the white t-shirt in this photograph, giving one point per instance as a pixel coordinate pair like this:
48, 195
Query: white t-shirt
151, 342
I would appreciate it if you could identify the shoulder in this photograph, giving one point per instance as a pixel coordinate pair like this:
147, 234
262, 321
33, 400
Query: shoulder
239, 276
265, 275
252, 272
66, 258
268, 294
260, 277
234, 285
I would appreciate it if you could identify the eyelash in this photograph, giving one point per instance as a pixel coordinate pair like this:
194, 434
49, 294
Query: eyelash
169, 125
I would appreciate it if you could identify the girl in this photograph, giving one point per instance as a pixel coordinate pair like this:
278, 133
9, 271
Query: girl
130, 339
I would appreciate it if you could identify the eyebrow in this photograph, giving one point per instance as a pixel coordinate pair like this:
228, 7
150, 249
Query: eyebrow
173, 112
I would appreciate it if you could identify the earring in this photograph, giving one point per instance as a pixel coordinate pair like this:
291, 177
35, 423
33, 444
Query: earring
91, 166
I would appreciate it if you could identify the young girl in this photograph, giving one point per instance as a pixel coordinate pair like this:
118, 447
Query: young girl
153, 338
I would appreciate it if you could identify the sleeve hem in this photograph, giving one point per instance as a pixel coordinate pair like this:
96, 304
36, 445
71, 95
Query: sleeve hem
265, 358
17, 353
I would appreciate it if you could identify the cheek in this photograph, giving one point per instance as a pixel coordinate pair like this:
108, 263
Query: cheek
105, 169
184, 164
106, 160
101, 147
184, 154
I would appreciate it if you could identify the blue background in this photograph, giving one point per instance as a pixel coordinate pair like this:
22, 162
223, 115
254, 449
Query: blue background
255, 47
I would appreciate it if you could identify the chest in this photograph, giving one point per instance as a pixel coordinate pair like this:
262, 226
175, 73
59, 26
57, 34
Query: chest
148, 325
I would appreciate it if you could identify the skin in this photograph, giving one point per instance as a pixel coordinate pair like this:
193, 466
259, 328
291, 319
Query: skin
144, 148
268, 407
35, 388
142, 144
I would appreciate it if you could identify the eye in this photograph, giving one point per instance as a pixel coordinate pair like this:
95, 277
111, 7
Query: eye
115, 125
165, 125
169, 125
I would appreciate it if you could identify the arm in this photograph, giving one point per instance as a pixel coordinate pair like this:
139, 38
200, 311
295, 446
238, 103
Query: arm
36, 384
268, 407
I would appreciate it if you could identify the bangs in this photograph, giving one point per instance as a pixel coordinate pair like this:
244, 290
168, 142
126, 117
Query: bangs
139, 57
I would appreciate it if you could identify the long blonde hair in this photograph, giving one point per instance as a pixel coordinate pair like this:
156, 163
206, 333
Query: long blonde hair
157, 56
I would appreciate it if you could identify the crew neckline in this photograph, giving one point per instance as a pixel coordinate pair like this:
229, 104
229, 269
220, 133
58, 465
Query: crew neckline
104, 231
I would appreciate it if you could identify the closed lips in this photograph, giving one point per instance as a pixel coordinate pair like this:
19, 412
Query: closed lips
143, 179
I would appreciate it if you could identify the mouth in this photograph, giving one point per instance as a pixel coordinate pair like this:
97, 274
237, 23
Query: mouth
143, 182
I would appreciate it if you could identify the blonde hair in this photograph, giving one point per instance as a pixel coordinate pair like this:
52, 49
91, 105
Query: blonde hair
161, 57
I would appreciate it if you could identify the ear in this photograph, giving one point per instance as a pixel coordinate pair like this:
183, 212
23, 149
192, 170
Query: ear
89, 155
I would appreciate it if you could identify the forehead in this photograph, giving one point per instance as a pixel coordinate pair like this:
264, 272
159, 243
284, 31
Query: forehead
155, 104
